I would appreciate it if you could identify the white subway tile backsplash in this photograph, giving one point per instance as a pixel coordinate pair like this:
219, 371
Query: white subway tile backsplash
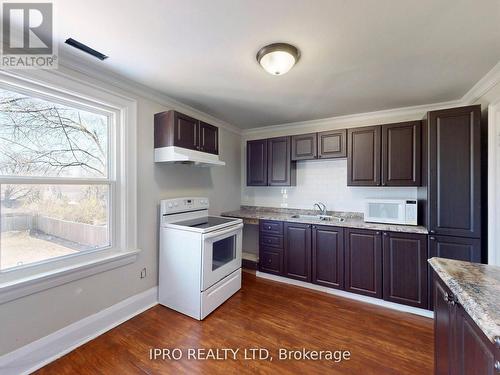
324, 181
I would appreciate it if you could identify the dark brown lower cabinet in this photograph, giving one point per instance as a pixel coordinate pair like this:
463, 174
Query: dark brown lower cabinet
297, 251
328, 256
271, 247
443, 326
363, 262
460, 346
271, 260
405, 268
388, 265
475, 353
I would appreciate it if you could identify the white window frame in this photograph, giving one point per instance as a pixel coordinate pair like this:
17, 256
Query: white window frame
30, 278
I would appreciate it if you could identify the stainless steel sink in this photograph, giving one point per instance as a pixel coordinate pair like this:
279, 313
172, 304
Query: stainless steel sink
307, 217
319, 217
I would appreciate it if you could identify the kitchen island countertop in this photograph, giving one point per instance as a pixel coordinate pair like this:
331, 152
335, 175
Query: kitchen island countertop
476, 288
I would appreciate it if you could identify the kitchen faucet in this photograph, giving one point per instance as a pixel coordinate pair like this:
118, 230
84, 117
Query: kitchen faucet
321, 206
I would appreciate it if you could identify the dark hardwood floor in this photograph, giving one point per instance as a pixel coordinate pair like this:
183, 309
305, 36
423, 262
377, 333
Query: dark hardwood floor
264, 314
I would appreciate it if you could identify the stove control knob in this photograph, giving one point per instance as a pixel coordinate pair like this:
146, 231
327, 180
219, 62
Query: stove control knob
170, 205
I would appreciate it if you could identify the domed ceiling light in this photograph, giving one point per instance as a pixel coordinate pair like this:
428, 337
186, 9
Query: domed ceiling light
278, 58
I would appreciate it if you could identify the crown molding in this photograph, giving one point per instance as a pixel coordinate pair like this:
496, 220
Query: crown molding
485, 84
417, 111
105, 75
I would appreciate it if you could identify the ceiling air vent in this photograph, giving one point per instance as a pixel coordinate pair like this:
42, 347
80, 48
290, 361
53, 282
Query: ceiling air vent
86, 49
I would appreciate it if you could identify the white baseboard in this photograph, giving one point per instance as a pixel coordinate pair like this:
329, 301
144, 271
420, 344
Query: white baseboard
341, 293
45, 350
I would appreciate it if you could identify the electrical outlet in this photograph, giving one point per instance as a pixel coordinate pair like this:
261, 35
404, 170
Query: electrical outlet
143, 273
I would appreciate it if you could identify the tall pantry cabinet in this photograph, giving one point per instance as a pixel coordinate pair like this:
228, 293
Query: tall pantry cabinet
452, 188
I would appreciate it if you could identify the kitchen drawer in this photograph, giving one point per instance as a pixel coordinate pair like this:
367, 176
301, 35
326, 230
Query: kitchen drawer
214, 296
273, 227
271, 260
271, 240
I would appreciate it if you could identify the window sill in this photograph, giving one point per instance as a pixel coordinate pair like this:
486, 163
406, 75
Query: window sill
25, 286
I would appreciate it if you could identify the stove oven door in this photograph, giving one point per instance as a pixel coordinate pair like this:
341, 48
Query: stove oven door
221, 254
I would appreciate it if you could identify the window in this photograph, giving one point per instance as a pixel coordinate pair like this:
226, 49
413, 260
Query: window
57, 178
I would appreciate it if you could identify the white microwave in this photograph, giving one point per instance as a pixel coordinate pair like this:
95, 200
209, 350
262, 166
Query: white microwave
391, 211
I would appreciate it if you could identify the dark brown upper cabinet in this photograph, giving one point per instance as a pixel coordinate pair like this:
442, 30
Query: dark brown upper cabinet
304, 147
385, 155
269, 162
324, 145
173, 128
297, 251
363, 156
280, 169
328, 256
405, 268
401, 154
454, 176
209, 138
363, 262
332, 144
257, 162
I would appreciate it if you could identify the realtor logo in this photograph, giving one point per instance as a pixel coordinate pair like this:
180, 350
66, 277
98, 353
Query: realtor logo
28, 36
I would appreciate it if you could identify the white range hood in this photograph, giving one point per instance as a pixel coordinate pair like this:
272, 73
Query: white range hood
173, 154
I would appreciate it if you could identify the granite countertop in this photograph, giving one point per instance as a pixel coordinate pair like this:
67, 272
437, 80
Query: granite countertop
477, 288
351, 219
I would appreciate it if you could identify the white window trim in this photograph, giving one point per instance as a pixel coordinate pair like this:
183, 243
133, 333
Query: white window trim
19, 282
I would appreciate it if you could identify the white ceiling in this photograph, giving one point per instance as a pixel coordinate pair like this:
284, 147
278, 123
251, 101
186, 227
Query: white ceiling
357, 55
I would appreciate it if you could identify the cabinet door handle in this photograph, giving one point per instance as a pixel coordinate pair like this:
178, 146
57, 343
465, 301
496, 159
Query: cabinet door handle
385, 234
377, 233
497, 366
497, 341
432, 238
449, 299
432, 231
446, 297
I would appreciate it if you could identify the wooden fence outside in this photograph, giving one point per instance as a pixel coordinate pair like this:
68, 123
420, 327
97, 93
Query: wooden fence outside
81, 233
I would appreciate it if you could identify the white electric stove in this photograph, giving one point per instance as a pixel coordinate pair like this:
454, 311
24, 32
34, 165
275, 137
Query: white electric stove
200, 257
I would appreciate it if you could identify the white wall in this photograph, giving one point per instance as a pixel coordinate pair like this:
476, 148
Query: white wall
490, 99
32, 317
324, 181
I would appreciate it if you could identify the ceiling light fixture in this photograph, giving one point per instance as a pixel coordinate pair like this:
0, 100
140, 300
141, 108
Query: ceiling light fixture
278, 58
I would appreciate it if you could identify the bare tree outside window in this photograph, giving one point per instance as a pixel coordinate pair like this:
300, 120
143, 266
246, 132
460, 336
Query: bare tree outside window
44, 139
